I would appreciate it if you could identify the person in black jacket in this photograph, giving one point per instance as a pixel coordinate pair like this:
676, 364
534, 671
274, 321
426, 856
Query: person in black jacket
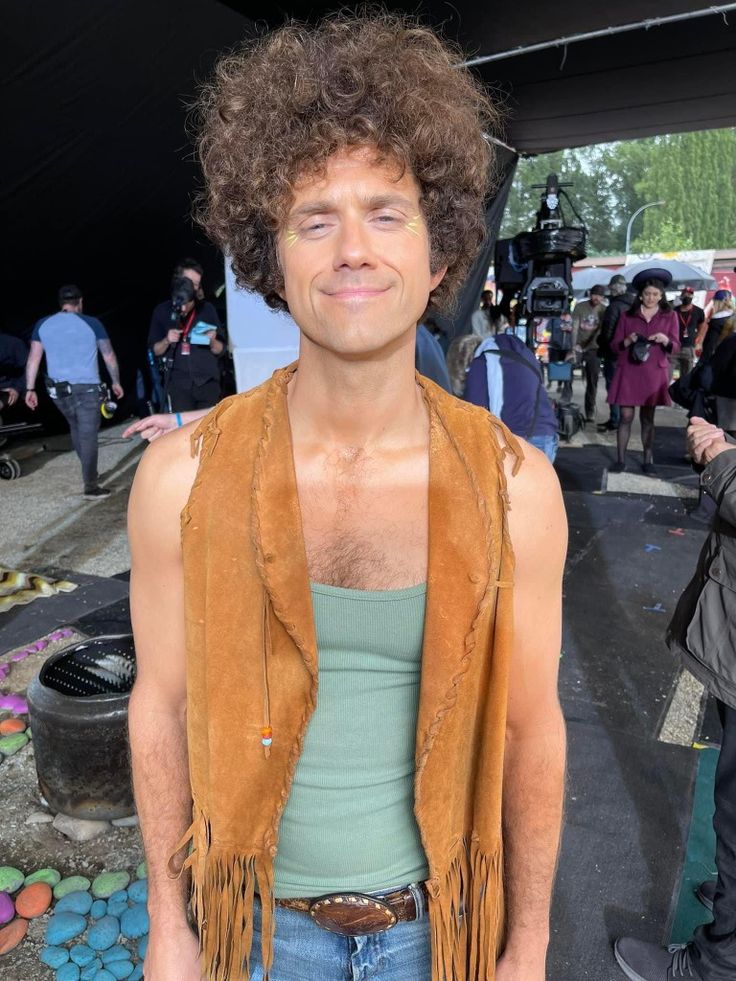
621, 299
702, 635
178, 332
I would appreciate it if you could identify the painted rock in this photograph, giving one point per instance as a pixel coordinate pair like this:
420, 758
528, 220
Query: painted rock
33, 900
68, 972
104, 975
54, 956
109, 882
142, 871
75, 883
82, 955
98, 909
134, 921
116, 953
64, 926
103, 933
137, 973
89, 973
120, 896
14, 703
120, 969
12, 934
138, 891
10, 879
143, 947
49, 876
78, 901
9, 726
7, 908
117, 908
9, 745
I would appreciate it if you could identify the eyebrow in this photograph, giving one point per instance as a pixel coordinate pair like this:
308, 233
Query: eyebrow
372, 203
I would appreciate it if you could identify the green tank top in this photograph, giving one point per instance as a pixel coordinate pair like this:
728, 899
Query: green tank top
349, 821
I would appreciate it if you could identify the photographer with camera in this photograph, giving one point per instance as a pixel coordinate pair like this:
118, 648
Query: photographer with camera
70, 340
186, 334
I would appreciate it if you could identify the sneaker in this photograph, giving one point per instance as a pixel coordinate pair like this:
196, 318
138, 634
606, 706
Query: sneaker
642, 961
706, 893
649, 470
96, 494
617, 467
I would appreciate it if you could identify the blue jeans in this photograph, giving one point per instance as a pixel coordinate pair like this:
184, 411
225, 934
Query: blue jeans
609, 370
547, 444
304, 951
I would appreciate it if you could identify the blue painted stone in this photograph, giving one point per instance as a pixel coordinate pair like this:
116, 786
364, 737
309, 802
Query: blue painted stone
98, 909
116, 953
138, 891
82, 954
103, 933
137, 973
64, 926
74, 902
116, 908
134, 922
104, 975
120, 896
143, 947
68, 972
120, 969
54, 957
89, 973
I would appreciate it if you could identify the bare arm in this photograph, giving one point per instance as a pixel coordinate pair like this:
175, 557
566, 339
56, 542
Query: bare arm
161, 347
534, 768
111, 362
157, 714
32, 365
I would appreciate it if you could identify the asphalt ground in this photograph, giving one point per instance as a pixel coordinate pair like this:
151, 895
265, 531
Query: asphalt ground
632, 717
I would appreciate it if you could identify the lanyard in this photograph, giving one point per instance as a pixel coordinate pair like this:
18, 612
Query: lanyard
188, 326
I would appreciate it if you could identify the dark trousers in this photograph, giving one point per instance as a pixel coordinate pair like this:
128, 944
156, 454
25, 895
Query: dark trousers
715, 943
609, 368
592, 372
185, 394
81, 410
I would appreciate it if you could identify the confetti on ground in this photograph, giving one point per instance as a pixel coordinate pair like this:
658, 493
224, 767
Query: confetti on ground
652, 548
655, 609
680, 532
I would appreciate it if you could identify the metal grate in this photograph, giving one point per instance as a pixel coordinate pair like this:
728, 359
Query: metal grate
101, 666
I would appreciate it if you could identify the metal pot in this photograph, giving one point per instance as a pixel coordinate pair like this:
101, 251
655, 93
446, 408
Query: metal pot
78, 708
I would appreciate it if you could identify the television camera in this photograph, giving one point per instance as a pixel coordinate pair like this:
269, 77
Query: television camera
535, 267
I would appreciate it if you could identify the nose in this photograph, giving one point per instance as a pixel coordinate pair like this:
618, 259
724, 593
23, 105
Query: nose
353, 247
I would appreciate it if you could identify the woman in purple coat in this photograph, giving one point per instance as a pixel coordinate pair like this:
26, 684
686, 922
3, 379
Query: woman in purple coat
643, 339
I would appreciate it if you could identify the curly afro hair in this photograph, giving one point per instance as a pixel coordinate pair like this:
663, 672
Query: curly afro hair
278, 108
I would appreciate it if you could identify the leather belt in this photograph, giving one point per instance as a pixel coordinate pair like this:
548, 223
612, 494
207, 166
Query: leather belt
354, 914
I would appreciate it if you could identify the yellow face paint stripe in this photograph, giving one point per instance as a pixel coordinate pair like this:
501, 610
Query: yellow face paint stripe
413, 225
291, 238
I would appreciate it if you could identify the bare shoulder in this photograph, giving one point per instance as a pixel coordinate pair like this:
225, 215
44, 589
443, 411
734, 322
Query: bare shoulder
164, 478
537, 519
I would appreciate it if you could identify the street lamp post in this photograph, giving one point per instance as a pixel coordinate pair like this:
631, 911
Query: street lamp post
652, 204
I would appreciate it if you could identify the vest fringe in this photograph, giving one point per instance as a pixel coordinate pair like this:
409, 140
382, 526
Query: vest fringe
224, 885
467, 916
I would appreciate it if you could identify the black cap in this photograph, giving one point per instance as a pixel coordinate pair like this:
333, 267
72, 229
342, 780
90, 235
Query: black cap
656, 272
68, 294
617, 280
598, 290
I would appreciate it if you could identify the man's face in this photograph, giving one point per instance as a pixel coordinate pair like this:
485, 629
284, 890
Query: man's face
595, 299
196, 280
354, 251
686, 299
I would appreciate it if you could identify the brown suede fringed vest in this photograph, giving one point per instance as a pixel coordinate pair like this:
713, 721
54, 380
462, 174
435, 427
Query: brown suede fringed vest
252, 674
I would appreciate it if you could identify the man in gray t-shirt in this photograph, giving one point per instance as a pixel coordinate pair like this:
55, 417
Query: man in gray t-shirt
70, 340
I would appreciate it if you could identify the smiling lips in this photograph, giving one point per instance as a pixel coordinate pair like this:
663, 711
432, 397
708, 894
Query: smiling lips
357, 293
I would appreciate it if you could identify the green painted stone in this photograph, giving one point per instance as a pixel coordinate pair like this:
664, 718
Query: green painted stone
75, 883
142, 871
50, 876
109, 882
10, 879
12, 743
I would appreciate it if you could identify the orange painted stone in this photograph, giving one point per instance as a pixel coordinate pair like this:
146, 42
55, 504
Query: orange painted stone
9, 726
12, 934
34, 900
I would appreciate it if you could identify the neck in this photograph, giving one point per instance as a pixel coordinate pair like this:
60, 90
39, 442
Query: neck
363, 404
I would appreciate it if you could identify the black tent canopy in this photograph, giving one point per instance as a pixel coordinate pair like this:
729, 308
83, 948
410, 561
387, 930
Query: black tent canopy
98, 170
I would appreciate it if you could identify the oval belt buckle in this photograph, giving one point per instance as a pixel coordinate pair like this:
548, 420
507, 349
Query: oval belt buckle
352, 914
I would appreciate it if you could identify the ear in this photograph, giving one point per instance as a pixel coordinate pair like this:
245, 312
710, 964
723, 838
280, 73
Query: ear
436, 278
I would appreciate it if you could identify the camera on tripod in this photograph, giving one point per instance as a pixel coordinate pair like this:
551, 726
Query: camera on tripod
182, 292
536, 267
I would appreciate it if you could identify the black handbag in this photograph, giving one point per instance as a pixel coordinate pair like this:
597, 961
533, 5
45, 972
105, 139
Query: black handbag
640, 350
